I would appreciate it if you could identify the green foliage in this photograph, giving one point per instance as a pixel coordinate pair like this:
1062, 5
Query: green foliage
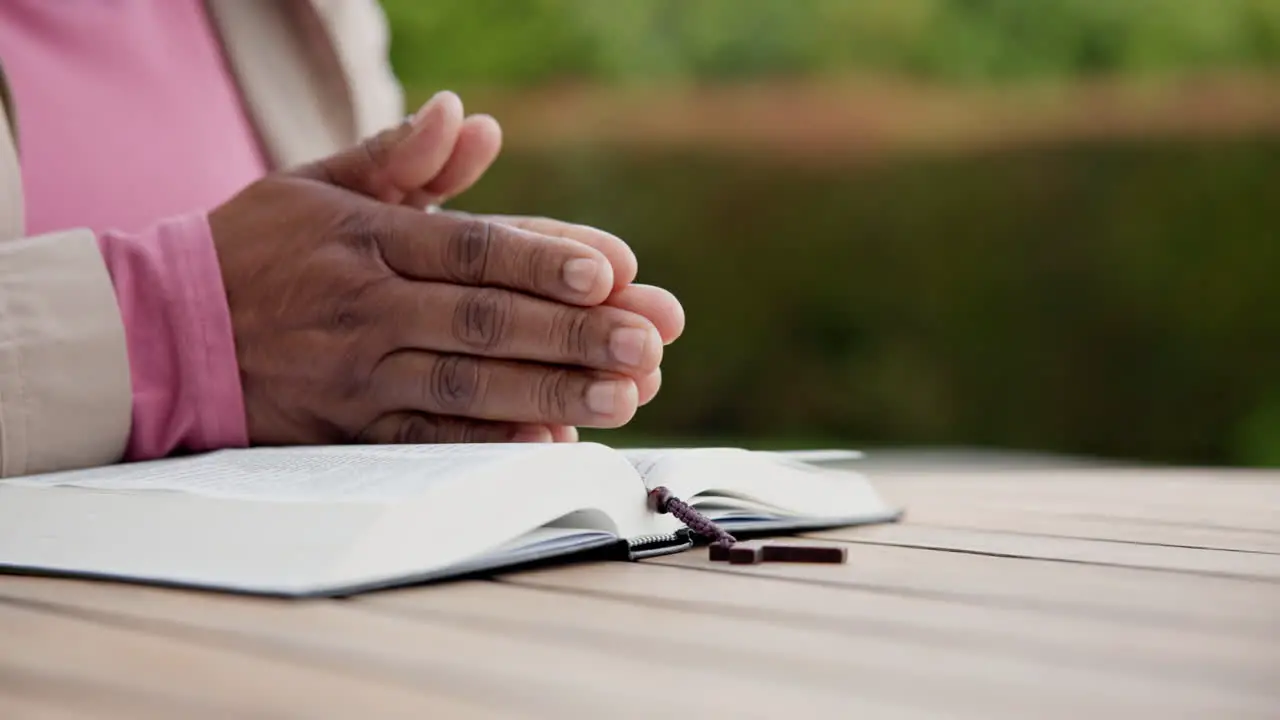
1258, 436
521, 42
1111, 299
1118, 300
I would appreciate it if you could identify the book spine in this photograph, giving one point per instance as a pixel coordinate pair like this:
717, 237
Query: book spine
646, 546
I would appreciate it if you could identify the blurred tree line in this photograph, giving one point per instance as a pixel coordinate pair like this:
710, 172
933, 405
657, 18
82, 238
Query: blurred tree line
1114, 298
523, 42
1111, 299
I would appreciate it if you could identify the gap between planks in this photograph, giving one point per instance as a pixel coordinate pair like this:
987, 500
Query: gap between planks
1042, 530
1155, 599
1083, 526
1256, 567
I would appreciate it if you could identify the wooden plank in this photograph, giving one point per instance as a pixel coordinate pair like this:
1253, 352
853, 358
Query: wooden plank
976, 677
1125, 516
1259, 566
930, 513
1245, 500
211, 678
14, 707
1154, 599
528, 675
1081, 507
43, 694
362, 642
1026, 632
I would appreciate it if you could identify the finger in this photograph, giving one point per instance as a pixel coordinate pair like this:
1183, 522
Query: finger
469, 251
498, 323
478, 145
647, 386
621, 257
658, 306
401, 160
564, 433
419, 158
408, 428
398, 159
501, 390
420, 199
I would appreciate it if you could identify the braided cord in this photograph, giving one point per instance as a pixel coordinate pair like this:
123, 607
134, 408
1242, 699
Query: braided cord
661, 500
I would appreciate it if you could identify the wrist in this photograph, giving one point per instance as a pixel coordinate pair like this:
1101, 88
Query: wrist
182, 358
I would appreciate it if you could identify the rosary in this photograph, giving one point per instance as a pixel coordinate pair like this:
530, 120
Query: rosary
725, 548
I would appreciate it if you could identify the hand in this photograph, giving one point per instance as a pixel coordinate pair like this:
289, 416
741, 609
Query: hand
361, 321
655, 304
438, 154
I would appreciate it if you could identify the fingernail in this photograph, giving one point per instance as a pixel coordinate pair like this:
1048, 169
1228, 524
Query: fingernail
419, 119
627, 345
581, 274
602, 398
433, 105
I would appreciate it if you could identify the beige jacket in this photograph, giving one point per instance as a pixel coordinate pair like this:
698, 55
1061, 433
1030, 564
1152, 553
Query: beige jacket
315, 78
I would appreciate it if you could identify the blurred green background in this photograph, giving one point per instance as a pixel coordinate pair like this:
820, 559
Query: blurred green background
536, 41
1032, 224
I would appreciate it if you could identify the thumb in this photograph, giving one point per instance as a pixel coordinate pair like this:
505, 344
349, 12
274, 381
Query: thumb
399, 160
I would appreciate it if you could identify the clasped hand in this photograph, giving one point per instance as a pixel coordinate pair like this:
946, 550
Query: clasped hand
360, 318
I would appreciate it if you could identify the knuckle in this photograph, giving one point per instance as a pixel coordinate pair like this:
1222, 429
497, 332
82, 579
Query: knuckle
359, 231
467, 251
454, 384
377, 149
462, 433
470, 433
417, 429
482, 318
552, 393
474, 432
345, 317
354, 307
397, 429
352, 372
538, 268
571, 330
371, 434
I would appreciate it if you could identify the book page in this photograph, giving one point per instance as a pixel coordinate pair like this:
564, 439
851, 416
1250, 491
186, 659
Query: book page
730, 483
652, 461
310, 474
653, 464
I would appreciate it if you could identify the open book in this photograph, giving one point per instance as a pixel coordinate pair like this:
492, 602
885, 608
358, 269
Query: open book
339, 520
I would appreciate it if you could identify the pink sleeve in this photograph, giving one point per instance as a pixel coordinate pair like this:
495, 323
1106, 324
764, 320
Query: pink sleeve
182, 355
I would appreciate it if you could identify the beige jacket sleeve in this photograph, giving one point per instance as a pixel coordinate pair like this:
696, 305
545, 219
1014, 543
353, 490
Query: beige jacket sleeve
315, 78
65, 393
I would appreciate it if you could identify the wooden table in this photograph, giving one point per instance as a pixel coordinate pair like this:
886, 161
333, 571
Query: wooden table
1010, 591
